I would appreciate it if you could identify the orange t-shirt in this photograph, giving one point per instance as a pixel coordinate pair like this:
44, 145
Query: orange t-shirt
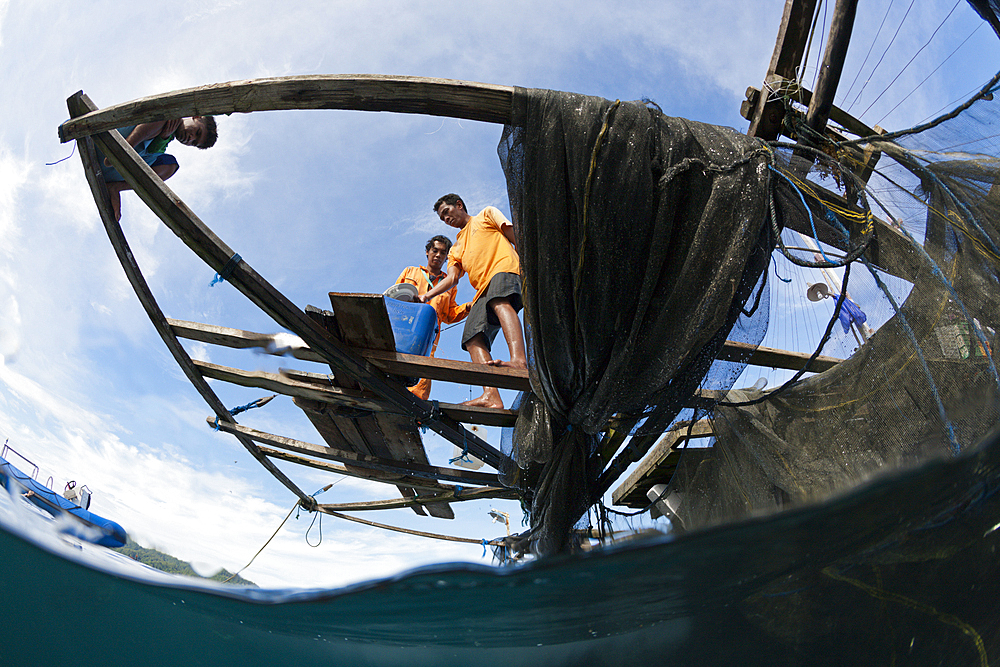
444, 304
482, 251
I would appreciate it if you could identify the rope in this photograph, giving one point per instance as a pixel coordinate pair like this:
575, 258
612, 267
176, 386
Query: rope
984, 91
578, 270
259, 403
265, 543
227, 270
948, 619
49, 164
407, 531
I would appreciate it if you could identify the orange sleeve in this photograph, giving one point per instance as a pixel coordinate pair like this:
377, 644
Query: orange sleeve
407, 277
452, 311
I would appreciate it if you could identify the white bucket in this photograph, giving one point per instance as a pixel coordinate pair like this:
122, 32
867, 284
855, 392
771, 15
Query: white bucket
402, 292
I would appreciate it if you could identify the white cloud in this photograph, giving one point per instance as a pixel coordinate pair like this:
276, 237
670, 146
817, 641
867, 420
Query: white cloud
315, 201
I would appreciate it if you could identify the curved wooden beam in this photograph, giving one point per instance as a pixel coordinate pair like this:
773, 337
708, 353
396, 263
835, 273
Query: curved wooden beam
359, 92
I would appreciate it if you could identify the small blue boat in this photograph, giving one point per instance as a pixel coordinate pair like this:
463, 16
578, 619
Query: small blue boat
87, 525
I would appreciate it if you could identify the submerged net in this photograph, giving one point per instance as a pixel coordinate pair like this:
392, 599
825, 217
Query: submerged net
648, 241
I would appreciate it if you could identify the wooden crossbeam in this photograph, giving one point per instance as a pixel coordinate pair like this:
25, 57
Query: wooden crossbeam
657, 456
398, 503
360, 92
401, 468
464, 372
317, 387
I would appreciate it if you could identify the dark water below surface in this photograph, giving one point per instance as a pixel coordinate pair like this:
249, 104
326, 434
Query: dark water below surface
902, 571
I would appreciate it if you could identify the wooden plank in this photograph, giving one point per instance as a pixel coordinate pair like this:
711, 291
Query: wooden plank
78, 105
404, 443
657, 455
353, 471
450, 496
462, 413
461, 372
790, 46
290, 387
363, 321
394, 363
360, 92
193, 232
774, 358
437, 473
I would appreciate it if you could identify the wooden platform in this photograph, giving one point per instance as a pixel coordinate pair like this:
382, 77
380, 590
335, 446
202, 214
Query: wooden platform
659, 464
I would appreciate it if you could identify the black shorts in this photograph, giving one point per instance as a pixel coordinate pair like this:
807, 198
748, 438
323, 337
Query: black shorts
482, 319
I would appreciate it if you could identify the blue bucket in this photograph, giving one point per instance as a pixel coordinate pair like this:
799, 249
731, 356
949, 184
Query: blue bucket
414, 325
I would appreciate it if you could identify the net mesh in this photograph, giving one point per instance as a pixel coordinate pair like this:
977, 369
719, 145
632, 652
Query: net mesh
648, 241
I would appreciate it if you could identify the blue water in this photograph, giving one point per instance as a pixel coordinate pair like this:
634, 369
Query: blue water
901, 571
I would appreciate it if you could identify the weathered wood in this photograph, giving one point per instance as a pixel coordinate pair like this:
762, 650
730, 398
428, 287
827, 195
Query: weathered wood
644, 476
361, 92
79, 105
461, 372
401, 435
414, 470
793, 33
773, 358
282, 384
394, 363
363, 321
396, 503
804, 96
841, 27
193, 232
461, 413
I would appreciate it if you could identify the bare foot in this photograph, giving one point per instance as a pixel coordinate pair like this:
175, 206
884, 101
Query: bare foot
487, 400
520, 365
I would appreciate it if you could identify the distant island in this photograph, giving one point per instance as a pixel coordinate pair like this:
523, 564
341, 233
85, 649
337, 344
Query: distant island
167, 563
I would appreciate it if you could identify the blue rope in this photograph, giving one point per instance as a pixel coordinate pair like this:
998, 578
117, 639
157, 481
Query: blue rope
49, 164
464, 456
227, 270
242, 408
484, 547
775, 262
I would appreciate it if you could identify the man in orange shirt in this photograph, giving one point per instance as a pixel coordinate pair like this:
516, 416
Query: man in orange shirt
426, 278
485, 250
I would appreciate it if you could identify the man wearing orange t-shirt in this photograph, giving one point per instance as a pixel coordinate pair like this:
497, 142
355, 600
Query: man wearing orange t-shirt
425, 279
485, 250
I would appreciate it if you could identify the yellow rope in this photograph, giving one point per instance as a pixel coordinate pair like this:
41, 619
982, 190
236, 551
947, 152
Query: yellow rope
578, 273
948, 619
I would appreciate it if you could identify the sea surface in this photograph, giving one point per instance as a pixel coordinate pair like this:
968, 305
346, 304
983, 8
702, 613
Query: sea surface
902, 571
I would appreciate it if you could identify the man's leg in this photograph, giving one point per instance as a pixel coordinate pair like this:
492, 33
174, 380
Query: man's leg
480, 353
115, 188
510, 324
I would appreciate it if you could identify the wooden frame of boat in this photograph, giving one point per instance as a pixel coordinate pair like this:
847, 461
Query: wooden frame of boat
367, 373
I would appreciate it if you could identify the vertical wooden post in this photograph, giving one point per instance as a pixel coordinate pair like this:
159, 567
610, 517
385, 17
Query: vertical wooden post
841, 28
788, 51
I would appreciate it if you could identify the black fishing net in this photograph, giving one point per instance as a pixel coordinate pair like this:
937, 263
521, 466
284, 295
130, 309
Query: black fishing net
641, 237
645, 244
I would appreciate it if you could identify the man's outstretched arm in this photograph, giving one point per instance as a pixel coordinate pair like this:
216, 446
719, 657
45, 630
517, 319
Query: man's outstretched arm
449, 281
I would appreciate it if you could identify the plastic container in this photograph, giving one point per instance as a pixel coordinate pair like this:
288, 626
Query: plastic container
414, 326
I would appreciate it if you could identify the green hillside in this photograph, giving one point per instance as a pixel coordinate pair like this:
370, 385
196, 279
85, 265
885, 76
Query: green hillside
168, 563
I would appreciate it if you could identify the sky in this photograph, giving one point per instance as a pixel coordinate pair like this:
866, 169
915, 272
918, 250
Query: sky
321, 201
